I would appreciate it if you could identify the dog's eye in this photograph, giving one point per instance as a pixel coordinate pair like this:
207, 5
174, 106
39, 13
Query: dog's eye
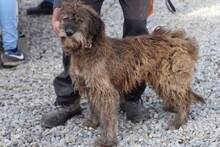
80, 21
65, 19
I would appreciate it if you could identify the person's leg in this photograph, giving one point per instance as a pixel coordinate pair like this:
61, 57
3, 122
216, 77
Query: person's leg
44, 8
8, 24
135, 21
95, 4
135, 16
133, 27
67, 98
63, 86
12, 55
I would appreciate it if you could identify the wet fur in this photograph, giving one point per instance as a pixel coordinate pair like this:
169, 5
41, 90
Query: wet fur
165, 59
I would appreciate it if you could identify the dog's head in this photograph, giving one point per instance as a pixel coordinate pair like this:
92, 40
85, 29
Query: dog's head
81, 26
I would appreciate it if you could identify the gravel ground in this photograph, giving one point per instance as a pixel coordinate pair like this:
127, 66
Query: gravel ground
27, 91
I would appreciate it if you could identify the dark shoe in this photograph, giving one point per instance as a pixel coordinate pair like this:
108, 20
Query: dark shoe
44, 8
10, 58
135, 110
61, 115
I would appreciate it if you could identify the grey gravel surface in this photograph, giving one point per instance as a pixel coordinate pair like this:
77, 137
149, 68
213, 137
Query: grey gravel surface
26, 92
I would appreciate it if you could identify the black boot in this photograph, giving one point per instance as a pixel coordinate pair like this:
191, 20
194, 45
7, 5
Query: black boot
61, 115
44, 8
135, 111
131, 104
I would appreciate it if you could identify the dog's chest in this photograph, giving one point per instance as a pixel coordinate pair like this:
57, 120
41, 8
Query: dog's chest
77, 71
80, 75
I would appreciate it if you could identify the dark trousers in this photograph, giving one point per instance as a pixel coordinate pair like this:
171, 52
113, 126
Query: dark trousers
135, 21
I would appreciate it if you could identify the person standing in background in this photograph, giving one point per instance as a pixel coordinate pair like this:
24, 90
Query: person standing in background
44, 8
12, 54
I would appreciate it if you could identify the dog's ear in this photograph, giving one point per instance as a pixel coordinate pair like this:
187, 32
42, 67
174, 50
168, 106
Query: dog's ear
65, 3
97, 28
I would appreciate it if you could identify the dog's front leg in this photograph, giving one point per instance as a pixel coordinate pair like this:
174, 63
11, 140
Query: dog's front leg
93, 120
105, 105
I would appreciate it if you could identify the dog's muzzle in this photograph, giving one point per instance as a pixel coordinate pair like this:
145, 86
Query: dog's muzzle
69, 32
71, 39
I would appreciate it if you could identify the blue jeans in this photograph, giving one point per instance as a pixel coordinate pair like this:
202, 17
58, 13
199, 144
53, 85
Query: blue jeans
8, 24
50, 1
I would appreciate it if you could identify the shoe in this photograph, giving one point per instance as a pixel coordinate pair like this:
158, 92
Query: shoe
61, 115
11, 59
135, 110
44, 8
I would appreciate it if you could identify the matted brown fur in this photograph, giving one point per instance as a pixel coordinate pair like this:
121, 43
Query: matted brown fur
103, 69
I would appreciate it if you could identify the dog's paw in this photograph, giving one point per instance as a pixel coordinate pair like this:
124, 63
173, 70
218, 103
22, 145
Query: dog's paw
174, 125
91, 123
103, 142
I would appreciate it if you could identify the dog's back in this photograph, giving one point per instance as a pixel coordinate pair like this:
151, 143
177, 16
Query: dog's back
177, 37
164, 51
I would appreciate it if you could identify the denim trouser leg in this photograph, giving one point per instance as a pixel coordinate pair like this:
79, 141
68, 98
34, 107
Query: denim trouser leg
8, 23
50, 1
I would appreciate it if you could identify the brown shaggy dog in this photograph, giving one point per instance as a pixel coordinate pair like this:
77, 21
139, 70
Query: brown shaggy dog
103, 69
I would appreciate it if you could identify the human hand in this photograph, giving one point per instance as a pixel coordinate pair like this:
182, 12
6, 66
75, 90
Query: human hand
56, 26
55, 20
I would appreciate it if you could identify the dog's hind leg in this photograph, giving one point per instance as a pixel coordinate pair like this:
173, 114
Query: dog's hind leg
168, 106
182, 101
176, 98
180, 117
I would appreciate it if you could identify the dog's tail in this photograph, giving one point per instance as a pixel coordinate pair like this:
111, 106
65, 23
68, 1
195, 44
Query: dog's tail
178, 37
197, 98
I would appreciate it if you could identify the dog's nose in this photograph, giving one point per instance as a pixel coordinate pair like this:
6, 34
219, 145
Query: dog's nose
69, 32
